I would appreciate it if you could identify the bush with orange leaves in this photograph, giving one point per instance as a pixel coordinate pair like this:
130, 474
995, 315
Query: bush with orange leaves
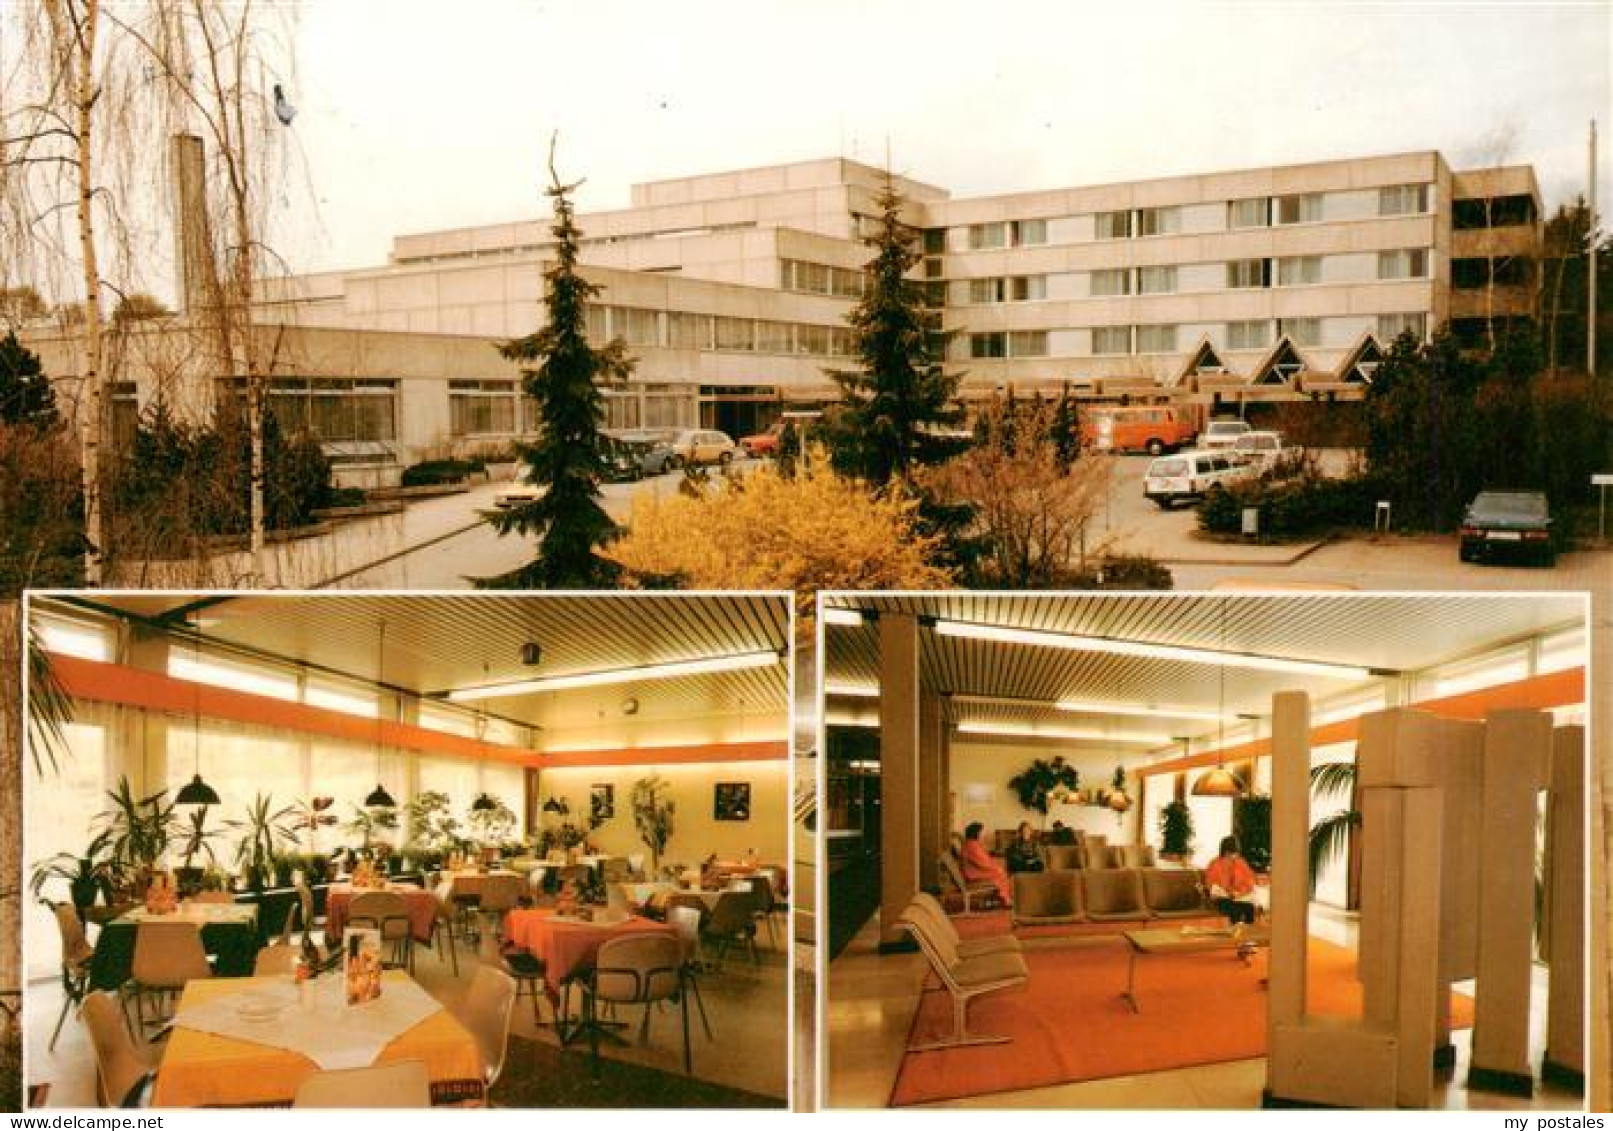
815, 530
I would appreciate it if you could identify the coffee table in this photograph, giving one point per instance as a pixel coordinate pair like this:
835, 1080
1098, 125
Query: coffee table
1243, 941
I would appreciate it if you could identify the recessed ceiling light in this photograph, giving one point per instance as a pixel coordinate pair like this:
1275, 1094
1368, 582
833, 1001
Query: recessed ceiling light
672, 670
1036, 730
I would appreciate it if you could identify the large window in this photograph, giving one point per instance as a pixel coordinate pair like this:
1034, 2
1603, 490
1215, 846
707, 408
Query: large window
1302, 208
985, 237
1249, 335
1027, 288
1246, 273
820, 278
1254, 212
337, 409
1114, 281
733, 333
1301, 331
1027, 233
988, 345
1299, 270
1391, 326
1112, 225
1156, 339
482, 407
1027, 343
1156, 280
1402, 200
1159, 221
232, 673
1408, 263
985, 290
1111, 339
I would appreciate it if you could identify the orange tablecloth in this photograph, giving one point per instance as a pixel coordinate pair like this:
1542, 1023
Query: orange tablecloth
205, 1070
477, 883
567, 947
422, 906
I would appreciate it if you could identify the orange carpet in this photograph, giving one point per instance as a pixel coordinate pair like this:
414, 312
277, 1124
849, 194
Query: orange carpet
1070, 1022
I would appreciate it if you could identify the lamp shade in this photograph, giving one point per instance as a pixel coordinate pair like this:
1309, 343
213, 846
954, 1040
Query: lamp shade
1219, 782
379, 798
197, 792
483, 803
1118, 801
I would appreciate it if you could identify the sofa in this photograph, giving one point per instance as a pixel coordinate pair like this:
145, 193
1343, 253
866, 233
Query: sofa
1109, 899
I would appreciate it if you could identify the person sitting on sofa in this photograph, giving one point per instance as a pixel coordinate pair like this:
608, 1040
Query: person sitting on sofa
1023, 855
979, 867
1232, 883
1061, 834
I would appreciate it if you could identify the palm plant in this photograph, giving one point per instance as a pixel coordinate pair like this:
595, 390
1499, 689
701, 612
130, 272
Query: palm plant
653, 815
141, 829
50, 707
263, 829
198, 838
86, 874
1330, 836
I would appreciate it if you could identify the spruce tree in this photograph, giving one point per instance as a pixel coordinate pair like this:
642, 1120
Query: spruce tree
899, 405
25, 393
562, 373
1066, 429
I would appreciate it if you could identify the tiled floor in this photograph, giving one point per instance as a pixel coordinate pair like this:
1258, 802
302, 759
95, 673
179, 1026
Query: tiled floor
747, 1005
872, 998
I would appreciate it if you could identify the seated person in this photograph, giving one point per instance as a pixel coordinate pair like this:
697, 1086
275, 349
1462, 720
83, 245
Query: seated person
978, 866
1023, 855
1232, 883
1060, 834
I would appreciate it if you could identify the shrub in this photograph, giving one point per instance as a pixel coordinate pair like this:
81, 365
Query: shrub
436, 472
1289, 508
346, 497
1123, 571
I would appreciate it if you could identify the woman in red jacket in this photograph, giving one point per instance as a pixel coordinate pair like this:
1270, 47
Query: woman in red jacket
979, 866
1231, 882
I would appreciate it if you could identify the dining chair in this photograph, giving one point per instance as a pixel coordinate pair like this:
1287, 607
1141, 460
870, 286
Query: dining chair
76, 956
731, 921
287, 928
278, 958
639, 970
761, 887
167, 956
400, 1083
123, 1070
500, 895
686, 921
486, 1013
442, 926
528, 971
305, 900
387, 912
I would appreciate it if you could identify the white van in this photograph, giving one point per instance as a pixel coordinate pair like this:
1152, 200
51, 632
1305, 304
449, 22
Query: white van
1189, 475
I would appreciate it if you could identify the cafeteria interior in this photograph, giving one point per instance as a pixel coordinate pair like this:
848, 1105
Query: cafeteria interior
395, 850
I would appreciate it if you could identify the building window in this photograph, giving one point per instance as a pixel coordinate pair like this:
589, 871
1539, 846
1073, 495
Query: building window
1116, 281
733, 333
985, 237
1113, 225
337, 409
635, 326
1391, 326
1027, 343
1299, 270
1302, 208
812, 339
1409, 263
933, 268
1471, 274
845, 282
1245, 273
1028, 233
1251, 335
1493, 212
1110, 340
1301, 331
988, 345
124, 402
1027, 288
1402, 200
481, 407
774, 337
1254, 212
1156, 339
688, 331
1156, 280
935, 241
985, 290
1159, 221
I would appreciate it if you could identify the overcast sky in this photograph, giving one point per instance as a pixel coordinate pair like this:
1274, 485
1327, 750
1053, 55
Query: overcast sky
422, 115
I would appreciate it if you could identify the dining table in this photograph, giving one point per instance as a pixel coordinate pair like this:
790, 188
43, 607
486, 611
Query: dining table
473, 884
229, 933
567, 945
249, 1042
421, 905
638, 893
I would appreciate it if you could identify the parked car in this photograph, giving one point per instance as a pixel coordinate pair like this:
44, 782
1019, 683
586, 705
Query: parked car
1189, 475
1259, 450
1508, 522
695, 447
1223, 433
767, 443
517, 494
1155, 429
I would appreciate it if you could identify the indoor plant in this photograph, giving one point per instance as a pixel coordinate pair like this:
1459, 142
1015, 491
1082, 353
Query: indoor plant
1251, 824
86, 875
140, 829
652, 814
262, 831
1036, 785
1176, 831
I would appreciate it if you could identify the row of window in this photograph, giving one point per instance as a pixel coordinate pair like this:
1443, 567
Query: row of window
1166, 338
1127, 223
677, 329
820, 278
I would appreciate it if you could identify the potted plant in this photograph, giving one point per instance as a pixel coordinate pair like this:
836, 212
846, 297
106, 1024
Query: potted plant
197, 840
367, 823
1036, 785
309, 816
86, 875
1251, 824
1176, 832
141, 829
493, 823
653, 813
262, 831
432, 824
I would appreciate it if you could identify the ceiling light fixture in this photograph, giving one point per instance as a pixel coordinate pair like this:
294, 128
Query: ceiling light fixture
851, 690
671, 670
843, 618
1073, 642
843, 720
1034, 730
1137, 710
1220, 782
196, 791
378, 797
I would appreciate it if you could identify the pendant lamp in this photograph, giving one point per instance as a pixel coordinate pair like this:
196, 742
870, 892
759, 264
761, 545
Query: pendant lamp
196, 791
1220, 782
379, 798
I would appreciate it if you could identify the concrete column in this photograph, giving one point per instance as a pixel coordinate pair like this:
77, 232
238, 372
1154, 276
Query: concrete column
898, 771
141, 749
1290, 832
932, 789
1460, 772
1516, 744
1565, 909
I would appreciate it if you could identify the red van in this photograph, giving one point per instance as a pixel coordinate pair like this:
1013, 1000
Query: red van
1154, 429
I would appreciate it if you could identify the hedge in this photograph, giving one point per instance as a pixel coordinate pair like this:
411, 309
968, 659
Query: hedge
1291, 508
435, 472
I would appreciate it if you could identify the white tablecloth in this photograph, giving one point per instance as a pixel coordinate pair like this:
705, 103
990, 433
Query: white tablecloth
202, 914
315, 1019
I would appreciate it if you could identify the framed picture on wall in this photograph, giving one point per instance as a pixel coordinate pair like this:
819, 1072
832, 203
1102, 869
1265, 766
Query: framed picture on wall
733, 801
602, 802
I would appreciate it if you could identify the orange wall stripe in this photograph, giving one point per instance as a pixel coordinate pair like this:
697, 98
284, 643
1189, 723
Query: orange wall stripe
667, 755
158, 691
1541, 692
